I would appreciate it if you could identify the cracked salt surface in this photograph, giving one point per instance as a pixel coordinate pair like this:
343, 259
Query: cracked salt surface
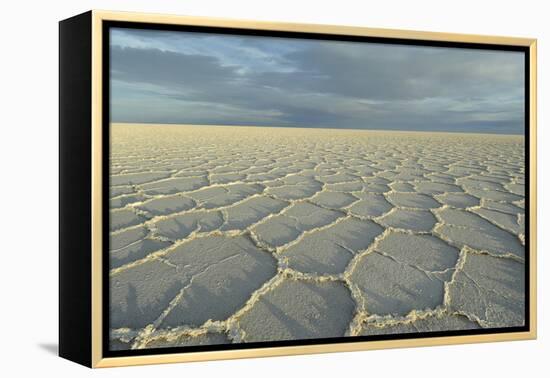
243, 234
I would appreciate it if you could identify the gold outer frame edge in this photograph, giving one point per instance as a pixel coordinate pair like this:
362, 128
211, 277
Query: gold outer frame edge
97, 192
97, 149
533, 188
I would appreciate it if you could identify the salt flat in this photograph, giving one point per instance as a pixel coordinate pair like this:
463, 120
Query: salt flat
242, 234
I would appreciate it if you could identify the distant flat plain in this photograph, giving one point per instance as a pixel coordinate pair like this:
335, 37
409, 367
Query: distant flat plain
226, 234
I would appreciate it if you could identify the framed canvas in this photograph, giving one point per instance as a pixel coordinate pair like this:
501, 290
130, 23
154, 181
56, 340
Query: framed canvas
236, 189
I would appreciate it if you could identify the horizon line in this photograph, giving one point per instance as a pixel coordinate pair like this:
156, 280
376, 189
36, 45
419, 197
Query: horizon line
314, 127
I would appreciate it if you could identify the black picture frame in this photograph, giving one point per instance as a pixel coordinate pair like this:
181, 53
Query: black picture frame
78, 115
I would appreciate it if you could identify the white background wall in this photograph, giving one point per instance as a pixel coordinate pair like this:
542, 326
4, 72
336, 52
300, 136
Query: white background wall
28, 184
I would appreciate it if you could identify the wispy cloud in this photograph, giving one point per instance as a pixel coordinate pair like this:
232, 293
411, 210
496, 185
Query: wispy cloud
177, 77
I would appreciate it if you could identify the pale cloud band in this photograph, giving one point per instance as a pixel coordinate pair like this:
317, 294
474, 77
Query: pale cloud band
198, 78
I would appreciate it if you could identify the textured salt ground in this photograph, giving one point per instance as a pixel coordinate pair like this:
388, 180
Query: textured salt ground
242, 234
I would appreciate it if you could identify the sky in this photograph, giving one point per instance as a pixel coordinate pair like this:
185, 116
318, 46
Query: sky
218, 79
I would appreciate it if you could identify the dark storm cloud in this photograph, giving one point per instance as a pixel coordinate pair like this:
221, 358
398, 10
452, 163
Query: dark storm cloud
172, 77
167, 68
392, 73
